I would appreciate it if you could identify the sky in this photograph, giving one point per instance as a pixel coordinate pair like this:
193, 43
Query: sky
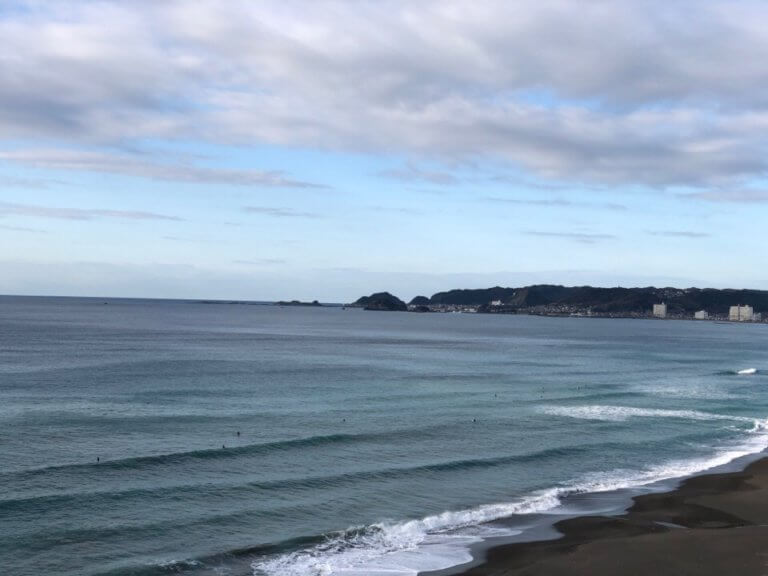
325, 150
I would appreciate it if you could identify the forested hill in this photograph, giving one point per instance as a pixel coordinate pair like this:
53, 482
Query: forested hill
617, 300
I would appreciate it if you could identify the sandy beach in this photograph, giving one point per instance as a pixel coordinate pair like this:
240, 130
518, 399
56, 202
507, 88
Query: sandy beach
713, 524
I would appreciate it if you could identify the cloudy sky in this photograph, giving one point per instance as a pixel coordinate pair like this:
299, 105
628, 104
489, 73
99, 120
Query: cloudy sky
265, 150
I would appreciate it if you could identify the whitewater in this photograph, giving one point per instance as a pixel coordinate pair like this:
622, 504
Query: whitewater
444, 540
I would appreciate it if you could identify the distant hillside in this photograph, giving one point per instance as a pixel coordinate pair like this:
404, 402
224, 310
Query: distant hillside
419, 301
383, 301
608, 300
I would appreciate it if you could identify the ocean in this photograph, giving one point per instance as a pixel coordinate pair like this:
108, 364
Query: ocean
150, 437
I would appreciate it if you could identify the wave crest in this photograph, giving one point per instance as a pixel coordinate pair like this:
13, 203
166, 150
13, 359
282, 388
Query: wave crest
622, 413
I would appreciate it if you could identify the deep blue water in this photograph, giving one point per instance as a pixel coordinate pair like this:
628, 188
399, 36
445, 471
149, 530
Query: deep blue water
367, 441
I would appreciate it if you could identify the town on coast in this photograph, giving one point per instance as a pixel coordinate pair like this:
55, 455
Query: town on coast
727, 305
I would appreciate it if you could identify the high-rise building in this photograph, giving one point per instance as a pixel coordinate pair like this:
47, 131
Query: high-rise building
741, 313
660, 310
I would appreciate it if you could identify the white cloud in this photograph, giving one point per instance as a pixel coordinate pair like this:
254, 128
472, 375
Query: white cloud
618, 92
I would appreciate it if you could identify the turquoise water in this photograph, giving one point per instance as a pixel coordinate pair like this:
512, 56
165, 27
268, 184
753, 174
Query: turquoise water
368, 442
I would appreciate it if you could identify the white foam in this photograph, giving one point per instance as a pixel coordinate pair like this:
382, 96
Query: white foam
621, 479
405, 548
685, 390
621, 413
759, 426
443, 540
747, 372
175, 565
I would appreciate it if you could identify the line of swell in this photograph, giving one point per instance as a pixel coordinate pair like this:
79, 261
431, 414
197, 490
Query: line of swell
71, 498
229, 452
315, 482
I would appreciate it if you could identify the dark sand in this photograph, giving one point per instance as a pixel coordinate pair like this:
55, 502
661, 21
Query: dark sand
711, 525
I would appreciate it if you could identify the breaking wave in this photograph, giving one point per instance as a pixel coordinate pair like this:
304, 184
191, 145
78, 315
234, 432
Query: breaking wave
621, 413
443, 540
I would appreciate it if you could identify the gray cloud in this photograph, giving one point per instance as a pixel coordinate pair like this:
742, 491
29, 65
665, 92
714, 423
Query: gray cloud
137, 166
412, 173
555, 202
582, 237
742, 196
679, 234
549, 186
278, 212
397, 210
33, 210
530, 85
260, 261
22, 229
25, 183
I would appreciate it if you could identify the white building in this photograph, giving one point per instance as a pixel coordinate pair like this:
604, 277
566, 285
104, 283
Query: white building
495, 302
741, 314
701, 315
660, 310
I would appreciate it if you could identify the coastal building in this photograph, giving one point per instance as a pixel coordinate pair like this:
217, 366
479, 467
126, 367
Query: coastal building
660, 310
741, 313
701, 315
495, 302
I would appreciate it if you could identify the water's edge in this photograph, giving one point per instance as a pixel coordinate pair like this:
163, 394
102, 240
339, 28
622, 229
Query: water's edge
612, 503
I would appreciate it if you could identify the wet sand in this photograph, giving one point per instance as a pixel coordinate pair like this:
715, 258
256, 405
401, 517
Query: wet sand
715, 524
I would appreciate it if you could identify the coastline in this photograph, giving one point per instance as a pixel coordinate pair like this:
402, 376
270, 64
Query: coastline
710, 524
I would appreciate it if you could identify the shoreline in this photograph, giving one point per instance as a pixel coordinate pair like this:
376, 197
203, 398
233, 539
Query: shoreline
711, 524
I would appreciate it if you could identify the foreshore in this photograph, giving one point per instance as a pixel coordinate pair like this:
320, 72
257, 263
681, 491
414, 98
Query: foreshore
712, 524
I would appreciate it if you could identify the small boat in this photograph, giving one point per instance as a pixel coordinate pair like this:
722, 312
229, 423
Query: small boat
747, 372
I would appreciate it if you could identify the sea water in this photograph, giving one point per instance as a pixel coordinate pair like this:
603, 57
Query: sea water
143, 437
